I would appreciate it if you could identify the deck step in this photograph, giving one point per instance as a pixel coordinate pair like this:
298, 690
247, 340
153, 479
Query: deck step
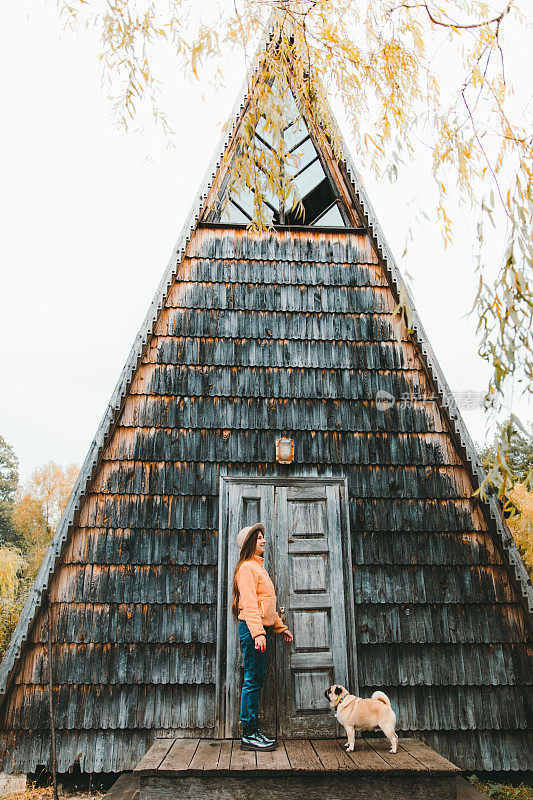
126, 787
466, 791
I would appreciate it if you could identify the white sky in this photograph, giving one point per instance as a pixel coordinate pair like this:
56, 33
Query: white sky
89, 216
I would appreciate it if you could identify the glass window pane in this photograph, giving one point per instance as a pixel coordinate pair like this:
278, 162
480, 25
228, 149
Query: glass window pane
267, 211
295, 133
301, 157
245, 198
232, 214
309, 178
263, 129
332, 218
292, 109
260, 149
270, 197
246, 201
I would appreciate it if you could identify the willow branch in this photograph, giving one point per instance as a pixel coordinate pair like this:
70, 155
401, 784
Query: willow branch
478, 140
468, 26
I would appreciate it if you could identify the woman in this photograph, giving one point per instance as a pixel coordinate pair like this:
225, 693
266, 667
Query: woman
254, 605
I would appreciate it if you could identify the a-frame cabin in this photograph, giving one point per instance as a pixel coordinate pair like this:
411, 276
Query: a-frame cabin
391, 574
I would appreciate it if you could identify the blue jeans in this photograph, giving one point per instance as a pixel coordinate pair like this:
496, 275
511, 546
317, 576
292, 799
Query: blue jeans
254, 677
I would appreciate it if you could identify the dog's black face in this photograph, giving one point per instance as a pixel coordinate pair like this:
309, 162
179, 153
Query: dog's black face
332, 690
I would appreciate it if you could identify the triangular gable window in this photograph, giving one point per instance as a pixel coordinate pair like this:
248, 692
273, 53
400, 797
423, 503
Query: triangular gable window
317, 195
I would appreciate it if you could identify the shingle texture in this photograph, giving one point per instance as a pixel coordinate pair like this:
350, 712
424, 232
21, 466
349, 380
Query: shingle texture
287, 333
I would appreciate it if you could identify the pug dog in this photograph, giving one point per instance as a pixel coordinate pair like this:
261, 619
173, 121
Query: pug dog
363, 715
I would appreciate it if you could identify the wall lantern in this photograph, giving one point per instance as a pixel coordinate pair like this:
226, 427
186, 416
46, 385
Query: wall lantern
285, 451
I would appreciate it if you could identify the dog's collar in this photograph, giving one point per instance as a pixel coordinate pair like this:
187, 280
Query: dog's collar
346, 702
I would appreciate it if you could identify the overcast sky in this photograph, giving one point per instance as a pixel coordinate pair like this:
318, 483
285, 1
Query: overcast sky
89, 217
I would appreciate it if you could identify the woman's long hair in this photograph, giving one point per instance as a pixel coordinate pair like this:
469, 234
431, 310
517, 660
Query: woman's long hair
248, 550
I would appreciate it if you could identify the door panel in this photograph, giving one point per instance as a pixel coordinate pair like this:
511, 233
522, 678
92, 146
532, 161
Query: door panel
309, 690
308, 573
310, 586
247, 504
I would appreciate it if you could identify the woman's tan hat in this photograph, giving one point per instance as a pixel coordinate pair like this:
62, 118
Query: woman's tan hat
245, 533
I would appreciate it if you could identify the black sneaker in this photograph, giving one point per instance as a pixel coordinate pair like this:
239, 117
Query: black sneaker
266, 738
255, 741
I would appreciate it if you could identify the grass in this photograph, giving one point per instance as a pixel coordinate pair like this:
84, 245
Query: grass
502, 791
33, 792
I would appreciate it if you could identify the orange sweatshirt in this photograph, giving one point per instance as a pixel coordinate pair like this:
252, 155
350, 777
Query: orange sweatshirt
257, 598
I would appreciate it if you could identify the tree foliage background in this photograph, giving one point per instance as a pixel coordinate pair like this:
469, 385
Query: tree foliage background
516, 500
30, 513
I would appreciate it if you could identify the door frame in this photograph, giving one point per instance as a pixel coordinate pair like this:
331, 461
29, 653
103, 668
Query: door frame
222, 582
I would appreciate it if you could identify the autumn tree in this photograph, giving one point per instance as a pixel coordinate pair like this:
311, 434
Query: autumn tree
40, 502
12, 565
514, 446
436, 74
9, 479
518, 451
521, 523
12, 562
35, 510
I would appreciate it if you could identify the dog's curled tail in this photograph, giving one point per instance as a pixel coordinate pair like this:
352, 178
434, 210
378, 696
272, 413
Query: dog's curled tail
381, 696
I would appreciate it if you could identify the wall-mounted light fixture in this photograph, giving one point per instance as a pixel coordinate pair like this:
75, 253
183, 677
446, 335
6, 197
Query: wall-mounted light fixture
285, 451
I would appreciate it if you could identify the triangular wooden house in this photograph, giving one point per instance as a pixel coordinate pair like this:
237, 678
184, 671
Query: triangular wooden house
391, 574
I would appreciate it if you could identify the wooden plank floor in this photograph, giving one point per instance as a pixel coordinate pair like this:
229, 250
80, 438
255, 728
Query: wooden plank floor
224, 756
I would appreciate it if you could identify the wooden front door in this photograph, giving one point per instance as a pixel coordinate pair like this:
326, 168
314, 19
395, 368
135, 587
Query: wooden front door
306, 528
310, 585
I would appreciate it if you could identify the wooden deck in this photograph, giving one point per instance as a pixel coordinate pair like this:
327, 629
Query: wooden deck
310, 768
